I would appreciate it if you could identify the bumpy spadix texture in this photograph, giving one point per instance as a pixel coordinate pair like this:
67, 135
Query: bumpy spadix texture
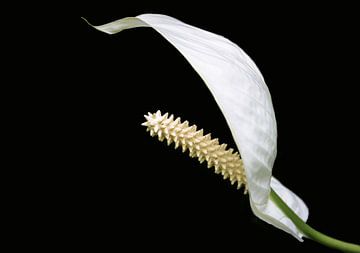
240, 91
225, 161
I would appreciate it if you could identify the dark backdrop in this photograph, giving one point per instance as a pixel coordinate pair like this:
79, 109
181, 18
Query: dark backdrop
133, 191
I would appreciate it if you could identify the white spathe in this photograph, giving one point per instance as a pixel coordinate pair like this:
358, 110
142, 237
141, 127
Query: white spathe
242, 95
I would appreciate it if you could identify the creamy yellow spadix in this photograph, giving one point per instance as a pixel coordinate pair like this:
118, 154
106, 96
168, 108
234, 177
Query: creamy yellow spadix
224, 160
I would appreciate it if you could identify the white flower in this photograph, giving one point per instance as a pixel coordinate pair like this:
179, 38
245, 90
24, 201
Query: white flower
242, 95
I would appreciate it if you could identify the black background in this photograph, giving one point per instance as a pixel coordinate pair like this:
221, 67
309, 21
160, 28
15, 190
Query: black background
129, 190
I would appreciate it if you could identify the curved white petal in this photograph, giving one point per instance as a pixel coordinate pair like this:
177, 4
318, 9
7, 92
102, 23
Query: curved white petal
242, 95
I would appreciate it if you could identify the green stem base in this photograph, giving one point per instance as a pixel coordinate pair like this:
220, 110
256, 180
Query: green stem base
309, 231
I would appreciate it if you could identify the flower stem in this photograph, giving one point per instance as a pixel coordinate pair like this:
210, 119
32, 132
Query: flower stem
310, 232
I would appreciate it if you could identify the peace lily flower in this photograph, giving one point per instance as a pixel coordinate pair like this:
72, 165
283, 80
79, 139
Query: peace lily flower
243, 97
